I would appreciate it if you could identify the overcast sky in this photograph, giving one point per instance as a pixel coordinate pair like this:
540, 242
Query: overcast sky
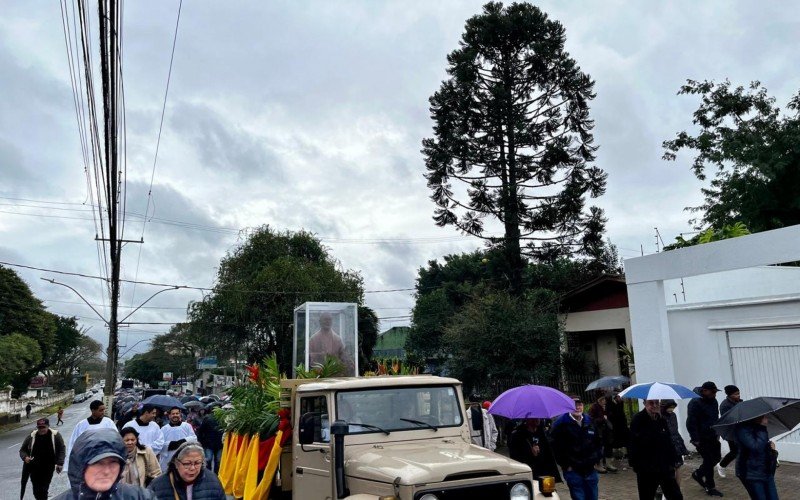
309, 115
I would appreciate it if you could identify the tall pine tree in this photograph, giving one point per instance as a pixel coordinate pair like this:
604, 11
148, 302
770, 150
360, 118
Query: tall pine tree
513, 140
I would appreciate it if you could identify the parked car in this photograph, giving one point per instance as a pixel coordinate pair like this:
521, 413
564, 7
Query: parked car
78, 398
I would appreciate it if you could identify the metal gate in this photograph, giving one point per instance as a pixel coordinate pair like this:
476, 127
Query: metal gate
767, 363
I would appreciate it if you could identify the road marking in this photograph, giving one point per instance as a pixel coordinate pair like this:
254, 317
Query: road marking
13, 445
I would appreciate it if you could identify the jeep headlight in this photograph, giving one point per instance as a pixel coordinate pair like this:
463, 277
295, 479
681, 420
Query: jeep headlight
429, 496
520, 491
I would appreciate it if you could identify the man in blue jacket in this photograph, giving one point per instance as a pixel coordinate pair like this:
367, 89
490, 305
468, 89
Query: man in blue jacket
703, 413
577, 450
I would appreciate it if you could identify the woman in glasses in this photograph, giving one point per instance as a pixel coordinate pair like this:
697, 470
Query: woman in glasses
187, 478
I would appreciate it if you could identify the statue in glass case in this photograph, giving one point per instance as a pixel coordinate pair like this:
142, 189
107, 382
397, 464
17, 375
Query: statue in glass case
326, 342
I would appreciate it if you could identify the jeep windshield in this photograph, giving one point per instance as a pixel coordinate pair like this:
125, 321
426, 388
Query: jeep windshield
399, 409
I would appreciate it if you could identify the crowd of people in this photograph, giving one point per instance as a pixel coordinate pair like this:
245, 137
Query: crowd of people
134, 459
577, 446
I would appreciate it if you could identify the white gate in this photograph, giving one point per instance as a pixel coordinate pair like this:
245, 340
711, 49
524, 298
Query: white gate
767, 363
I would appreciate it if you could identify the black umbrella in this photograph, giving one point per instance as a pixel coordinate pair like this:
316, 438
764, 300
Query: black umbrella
194, 404
188, 399
784, 415
608, 382
163, 402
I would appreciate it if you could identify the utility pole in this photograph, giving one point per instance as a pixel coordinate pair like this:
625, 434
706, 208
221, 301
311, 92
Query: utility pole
109, 29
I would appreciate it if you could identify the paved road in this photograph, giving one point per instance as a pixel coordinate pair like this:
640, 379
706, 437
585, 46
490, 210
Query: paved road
10, 442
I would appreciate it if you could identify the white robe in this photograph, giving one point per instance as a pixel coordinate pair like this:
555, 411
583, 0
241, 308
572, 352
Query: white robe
149, 435
183, 431
489, 431
85, 426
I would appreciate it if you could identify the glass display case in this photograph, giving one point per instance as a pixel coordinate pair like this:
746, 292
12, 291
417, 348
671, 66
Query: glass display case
326, 329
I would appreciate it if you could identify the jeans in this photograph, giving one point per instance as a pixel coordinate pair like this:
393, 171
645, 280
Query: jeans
212, 459
582, 487
761, 489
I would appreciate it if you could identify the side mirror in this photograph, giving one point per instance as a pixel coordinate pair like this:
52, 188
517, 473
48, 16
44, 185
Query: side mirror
308, 422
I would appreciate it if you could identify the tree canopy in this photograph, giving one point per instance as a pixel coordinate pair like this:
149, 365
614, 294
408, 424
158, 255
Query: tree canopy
752, 149
250, 311
513, 139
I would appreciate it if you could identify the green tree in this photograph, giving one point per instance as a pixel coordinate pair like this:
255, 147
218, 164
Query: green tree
71, 350
20, 352
147, 367
250, 311
498, 335
753, 150
512, 131
21, 312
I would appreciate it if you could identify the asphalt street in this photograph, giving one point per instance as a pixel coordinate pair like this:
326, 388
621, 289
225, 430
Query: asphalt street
10, 442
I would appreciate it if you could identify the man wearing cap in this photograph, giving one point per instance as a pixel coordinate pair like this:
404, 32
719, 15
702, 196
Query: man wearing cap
733, 398
42, 452
483, 430
703, 413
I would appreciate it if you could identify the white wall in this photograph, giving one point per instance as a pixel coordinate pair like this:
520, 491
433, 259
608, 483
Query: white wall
760, 281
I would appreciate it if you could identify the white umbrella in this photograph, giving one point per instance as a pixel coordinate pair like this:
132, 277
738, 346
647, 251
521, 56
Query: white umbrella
658, 390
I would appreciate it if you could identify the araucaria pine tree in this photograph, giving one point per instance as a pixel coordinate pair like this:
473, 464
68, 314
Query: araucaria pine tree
512, 127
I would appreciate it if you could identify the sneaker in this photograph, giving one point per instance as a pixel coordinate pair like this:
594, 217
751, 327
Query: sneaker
699, 479
611, 468
721, 471
600, 469
713, 492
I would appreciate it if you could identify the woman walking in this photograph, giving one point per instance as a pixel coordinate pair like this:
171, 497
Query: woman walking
668, 412
187, 478
141, 464
758, 459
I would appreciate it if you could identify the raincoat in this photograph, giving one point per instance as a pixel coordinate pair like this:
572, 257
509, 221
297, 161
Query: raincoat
89, 446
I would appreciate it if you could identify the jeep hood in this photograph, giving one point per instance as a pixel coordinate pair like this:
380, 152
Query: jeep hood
427, 461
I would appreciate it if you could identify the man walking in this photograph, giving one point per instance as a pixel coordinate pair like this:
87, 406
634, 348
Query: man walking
577, 450
733, 398
149, 432
652, 454
176, 432
703, 413
97, 420
28, 409
483, 430
60, 414
42, 452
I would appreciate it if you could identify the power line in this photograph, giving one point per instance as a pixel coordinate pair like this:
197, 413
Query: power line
158, 145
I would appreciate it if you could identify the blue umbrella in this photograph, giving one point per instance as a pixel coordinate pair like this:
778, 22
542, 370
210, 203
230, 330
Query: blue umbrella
608, 382
163, 402
657, 390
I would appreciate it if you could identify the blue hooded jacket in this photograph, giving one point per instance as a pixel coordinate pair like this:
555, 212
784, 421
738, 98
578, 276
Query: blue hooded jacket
93, 446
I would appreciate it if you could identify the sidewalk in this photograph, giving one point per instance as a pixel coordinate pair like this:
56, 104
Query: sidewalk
622, 485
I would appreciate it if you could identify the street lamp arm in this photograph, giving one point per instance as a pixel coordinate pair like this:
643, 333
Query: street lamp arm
54, 282
146, 301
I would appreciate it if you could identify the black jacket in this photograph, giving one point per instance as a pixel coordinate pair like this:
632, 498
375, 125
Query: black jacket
205, 487
209, 433
727, 405
88, 446
619, 423
576, 446
651, 449
756, 460
702, 414
58, 446
520, 449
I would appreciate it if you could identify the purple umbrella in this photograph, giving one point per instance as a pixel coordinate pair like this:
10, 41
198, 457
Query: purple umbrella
532, 401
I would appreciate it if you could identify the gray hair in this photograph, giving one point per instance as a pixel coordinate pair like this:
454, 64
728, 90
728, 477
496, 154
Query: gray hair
187, 448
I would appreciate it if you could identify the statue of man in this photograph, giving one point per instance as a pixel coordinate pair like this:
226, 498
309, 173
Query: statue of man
326, 342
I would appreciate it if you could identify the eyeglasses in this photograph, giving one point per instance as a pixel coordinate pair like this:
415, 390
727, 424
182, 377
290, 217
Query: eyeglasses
191, 465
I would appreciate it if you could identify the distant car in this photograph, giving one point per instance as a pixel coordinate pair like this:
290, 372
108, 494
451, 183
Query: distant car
87, 395
78, 398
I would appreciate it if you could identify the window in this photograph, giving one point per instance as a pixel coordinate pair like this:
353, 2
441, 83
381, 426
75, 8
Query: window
399, 408
318, 407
